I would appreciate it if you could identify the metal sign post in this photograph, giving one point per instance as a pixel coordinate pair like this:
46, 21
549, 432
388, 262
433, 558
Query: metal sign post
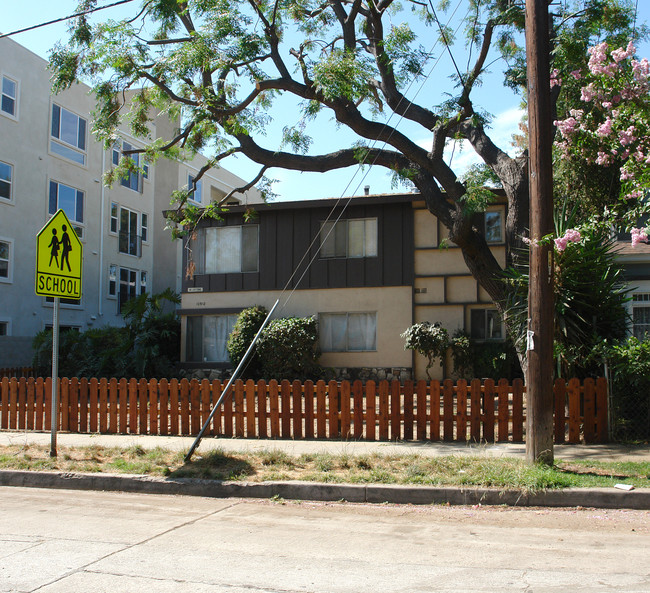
55, 376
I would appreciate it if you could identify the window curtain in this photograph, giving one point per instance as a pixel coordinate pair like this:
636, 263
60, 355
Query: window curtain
362, 331
333, 332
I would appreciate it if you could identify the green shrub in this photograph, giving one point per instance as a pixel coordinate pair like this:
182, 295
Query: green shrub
288, 349
428, 339
247, 325
629, 363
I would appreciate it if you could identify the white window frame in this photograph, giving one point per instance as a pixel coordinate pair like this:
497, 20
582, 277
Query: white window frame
127, 182
144, 227
342, 231
144, 281
138, 224
16, 82
500, 239
370, 342
10, 199
228, 249
114, 218
78, 225
10, 261
61, 148
640, 301
489, 314
206, 341
198, 190
112, 280
6, 321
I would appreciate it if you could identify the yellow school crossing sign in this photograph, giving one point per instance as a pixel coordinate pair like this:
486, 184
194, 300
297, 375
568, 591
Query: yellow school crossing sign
59, 259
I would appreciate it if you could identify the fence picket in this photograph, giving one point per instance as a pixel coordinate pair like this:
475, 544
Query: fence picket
517, 411
39, 403
174, 402
239, 408
461, 410
31, 409
574, 410
143, 407
206, 403
321, 410
163, 405
421, 403
296, 391
22, 403
503, 413
345, 394
448, 409
218, 415
285, 408
184, 401
83, 405
113, 413
93, 404
589, 410
64, 403
488, 408
103, 405
228, 413
48, 403
123, 405
357, 409
383, 411
434, 412
250, 409
195, 407
275, 408
5, 403
408, 410
371, 410
333, 393
475, 411
154, 412
309, 409
262, 409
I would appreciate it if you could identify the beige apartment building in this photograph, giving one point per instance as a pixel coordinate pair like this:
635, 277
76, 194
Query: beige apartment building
50, 160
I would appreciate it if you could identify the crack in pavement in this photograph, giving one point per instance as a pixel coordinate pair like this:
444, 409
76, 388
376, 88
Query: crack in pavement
84, 568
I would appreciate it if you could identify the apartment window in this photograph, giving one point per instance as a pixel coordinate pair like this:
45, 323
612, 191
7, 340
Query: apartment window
144, 226
68, 135
112, 280
641, 315
128, 287
6, 180
197, 194
4, 328
70, 200
145, 172
207, 336
6, 253
64, 301
129, 241
143, 282
227, 249
114, 217
348, 332
9, 99
349, 238
486, 324
133, 179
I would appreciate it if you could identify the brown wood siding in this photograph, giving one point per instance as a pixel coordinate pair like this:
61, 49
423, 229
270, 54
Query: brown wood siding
286, 234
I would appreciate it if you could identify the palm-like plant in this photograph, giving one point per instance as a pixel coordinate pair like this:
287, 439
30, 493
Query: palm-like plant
590, 295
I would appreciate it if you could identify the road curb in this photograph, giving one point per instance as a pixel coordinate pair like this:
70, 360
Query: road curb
293, 490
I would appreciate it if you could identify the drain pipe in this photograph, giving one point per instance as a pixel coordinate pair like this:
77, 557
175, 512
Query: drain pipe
100, 310
227, 391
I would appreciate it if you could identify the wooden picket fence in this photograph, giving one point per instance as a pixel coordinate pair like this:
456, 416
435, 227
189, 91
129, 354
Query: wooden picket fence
485, 411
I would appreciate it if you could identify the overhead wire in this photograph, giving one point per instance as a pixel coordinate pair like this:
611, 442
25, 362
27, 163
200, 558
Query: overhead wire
65, 18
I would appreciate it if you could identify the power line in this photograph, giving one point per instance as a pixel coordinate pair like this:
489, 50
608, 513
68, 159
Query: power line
65, 18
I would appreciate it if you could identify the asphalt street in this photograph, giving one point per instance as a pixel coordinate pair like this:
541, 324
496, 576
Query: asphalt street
56, 541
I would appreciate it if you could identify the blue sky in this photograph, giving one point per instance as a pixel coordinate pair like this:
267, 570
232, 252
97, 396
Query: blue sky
501, 102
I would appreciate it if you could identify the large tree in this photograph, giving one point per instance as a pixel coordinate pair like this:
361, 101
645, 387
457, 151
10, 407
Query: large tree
221, 64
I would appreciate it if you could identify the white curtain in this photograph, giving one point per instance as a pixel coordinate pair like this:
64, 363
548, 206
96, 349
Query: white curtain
216, 329
332, 332
362, 331
341, 332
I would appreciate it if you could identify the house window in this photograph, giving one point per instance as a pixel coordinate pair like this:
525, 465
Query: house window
68, 135
112, 280
197, 194
486, 324
128, 287
6, 247
227, 249
348, 332
4, 328
70, 200
9, 99
349, 238
207, 336
129, 241
133, 179
144, 226
6, 177
114, 217
641, 315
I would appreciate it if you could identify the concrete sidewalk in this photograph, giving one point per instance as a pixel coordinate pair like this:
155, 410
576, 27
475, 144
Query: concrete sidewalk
608, 452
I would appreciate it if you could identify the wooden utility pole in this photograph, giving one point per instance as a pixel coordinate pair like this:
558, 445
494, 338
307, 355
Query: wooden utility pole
539, 378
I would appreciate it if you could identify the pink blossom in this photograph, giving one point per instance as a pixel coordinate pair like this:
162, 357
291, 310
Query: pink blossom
639, 236
567, 126
604, 159
570, 236
588, 93
626, 137
605, 129
555, 81
625, 175
640, 70
576, 74
560, 244
621, 54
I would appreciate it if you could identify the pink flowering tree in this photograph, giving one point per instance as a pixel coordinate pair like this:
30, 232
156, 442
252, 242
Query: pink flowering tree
603, 145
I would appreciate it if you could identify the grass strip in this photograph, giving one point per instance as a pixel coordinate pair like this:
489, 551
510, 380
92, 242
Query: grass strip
274, 464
